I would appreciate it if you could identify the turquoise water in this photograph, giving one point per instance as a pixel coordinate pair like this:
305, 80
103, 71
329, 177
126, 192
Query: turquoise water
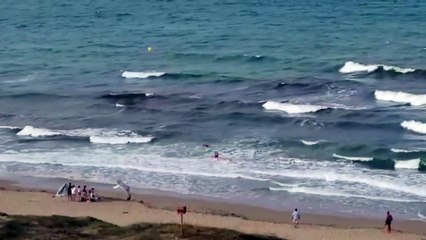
308, 102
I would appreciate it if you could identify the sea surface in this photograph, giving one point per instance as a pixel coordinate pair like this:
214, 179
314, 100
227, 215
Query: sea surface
319, 105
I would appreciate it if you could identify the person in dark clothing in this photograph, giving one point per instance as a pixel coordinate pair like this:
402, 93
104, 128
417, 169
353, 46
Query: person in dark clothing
69, 193
388, 222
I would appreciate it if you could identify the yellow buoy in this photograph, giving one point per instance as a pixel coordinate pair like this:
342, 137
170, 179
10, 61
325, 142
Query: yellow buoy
149, 49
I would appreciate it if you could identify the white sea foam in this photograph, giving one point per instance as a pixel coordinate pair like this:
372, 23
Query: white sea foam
364, 159
310, 143
401, 97
422, 217
292, 108
37, 132
322, 192
105, 136
331, 176
128, 74
414, 126
119, 140
398, 150
407, 164
353, 67
9, 127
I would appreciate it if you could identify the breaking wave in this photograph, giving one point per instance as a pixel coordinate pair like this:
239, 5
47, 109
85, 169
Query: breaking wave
128, 74
414, 126
331, 176
292, 108
311, 143
119, 140
38, 132
398, 150
120, 105
387, 164
408, 164
363, 159
321, 192
104, 136
401, 97
10, 127
354, 67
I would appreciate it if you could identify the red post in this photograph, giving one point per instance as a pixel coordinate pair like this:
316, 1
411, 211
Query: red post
181, 211
181, 225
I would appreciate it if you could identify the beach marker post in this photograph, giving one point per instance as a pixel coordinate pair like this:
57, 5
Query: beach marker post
181, 211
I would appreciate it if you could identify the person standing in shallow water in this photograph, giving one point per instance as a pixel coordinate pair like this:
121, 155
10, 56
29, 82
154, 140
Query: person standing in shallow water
388, 222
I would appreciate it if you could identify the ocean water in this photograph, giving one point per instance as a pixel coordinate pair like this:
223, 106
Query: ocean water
319, 104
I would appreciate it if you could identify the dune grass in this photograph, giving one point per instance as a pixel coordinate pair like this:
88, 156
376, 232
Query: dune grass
60, 227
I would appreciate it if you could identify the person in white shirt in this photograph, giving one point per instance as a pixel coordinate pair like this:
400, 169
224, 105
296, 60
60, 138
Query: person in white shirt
73, 193
295, 217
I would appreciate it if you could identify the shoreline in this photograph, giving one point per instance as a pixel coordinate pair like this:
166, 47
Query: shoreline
52, 184
166, 202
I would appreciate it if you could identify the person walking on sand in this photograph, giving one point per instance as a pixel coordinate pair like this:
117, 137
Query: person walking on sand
388, 222
295, 217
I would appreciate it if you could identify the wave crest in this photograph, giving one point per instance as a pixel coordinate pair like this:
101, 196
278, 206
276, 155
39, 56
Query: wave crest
104, 136
389, 164
354, 67
408, 164
292, 108
37, 132
129, 74
120, 140
401, 97
363, 159
311, 143
399, 150
414, 126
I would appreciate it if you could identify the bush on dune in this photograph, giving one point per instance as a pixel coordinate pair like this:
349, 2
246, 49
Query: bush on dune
60, 227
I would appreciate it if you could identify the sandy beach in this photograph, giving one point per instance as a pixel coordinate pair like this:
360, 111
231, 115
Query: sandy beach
151, 208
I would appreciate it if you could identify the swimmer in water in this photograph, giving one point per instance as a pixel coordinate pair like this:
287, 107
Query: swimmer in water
216, 155
206, 145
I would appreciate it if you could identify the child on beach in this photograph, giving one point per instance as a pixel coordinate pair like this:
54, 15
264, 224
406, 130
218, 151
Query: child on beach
93, 197
295, 218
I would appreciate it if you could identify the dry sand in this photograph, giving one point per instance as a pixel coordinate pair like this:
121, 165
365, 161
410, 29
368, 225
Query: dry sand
20, 201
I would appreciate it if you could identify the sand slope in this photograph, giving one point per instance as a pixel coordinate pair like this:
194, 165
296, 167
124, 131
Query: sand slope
125, 213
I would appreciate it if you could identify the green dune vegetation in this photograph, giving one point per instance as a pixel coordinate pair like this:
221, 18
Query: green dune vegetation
61, 227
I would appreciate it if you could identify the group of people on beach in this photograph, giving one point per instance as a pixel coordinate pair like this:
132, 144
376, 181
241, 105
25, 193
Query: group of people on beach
79, 194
